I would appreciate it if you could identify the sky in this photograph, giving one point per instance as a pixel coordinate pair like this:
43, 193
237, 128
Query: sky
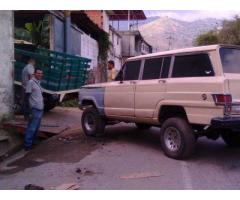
192, 15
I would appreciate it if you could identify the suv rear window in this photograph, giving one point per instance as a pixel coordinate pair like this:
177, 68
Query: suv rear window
152, 68
196, 65
131, 70
230, 58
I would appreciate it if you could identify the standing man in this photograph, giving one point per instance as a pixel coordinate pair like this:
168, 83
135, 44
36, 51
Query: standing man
34, 101
111, 70
27, 74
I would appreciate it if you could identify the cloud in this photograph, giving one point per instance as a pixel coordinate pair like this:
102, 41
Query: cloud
192, 15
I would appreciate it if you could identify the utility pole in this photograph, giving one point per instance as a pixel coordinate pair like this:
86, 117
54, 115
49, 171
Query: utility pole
170, 39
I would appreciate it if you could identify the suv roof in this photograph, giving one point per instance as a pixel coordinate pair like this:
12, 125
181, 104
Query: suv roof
184, 50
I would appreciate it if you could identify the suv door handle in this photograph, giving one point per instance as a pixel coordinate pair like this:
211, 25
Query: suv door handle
161, 81
133, 82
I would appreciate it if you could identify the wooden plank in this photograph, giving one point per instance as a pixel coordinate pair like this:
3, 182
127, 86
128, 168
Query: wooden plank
45, 129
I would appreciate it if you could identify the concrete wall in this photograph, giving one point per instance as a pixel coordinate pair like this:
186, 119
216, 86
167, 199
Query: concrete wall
89, 49
128, 45
76, 41
6, 63
57, 35
105, 21
115, 53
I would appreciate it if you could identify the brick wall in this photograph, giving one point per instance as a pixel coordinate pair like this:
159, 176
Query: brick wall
96, 16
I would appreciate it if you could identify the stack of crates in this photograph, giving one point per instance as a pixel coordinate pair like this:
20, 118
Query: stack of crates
61, 71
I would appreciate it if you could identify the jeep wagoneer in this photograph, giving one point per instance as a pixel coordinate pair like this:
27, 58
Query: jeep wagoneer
188, 93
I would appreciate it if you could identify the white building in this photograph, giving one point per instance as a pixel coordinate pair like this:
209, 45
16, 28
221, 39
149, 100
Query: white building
6, 63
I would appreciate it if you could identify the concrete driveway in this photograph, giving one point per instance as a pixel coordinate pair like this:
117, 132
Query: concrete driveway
126, 158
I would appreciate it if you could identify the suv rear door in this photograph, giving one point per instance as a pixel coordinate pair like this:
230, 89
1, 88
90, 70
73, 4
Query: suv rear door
152, 86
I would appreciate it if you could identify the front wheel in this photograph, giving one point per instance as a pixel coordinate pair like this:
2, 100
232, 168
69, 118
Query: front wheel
177, 138
231, 138
92, 123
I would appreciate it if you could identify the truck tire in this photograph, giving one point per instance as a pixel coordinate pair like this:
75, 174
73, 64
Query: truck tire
231, 138
49, 106
92, 123
50, 101
177, 138
142, 126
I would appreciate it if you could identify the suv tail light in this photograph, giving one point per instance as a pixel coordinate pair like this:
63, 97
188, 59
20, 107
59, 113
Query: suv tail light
222, 99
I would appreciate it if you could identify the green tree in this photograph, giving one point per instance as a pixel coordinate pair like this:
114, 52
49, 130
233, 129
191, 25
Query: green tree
228, 34
103, 46
37, 33
208, 38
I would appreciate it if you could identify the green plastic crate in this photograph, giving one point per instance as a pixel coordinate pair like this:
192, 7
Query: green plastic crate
61, 71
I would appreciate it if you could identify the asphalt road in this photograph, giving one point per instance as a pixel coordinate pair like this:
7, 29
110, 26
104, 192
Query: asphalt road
126, 158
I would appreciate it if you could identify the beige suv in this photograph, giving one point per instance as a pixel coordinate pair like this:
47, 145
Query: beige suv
189, 93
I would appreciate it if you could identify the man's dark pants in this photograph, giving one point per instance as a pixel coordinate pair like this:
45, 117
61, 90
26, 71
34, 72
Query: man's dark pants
33, 126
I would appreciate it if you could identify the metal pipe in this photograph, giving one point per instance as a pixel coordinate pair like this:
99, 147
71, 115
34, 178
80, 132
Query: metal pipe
67, 32
128, 19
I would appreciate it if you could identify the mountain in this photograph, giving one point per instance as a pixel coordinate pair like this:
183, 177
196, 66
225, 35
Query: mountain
165, 32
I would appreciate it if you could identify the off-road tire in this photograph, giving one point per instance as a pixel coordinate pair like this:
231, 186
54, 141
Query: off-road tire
143, 126
177, 138
96, 126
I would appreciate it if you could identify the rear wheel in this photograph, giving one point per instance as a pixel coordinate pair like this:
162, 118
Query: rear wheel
231, 138
142, 126
92, 123
177, 138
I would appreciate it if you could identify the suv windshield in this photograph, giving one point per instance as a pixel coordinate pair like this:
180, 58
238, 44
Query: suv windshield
230, 58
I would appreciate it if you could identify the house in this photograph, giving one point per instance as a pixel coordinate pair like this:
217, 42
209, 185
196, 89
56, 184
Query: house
102, 19
71, 32
133, 44
115, 51
80, 33
118, 40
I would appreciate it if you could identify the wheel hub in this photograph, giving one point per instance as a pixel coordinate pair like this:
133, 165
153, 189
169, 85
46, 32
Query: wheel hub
172, 139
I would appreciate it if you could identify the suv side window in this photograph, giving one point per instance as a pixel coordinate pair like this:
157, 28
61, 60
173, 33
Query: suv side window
152, 68
131, 70
165, 67
196, 65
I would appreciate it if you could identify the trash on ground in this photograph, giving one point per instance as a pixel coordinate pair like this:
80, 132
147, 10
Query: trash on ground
141, 175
